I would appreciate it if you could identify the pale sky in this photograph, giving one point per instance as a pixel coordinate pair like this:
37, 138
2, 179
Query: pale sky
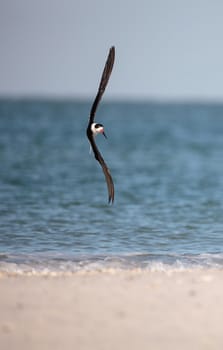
165, 49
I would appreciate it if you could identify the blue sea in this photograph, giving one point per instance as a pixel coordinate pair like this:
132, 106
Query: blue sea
166, 160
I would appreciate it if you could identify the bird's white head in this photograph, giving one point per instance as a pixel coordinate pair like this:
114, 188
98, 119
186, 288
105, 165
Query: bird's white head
97, 128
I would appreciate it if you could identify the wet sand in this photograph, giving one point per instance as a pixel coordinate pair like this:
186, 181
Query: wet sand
113, 310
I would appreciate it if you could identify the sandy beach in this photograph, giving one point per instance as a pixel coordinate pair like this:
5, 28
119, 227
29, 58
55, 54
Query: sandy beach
113, 310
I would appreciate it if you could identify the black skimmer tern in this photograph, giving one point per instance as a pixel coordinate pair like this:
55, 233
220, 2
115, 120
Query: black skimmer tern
94, 128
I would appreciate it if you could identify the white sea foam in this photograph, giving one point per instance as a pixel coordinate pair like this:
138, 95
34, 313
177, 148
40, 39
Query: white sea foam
61, 265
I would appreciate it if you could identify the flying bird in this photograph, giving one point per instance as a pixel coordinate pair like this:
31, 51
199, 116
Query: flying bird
94, 128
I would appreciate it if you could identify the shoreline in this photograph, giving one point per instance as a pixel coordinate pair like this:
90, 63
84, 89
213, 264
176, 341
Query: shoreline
113, 309
112, 270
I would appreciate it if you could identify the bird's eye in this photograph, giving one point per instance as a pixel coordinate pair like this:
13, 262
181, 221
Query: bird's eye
97, 126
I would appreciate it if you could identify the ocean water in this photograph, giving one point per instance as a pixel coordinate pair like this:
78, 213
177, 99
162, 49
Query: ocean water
167, 165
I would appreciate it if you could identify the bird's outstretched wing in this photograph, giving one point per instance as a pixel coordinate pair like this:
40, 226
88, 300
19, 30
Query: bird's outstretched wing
98, 156
103, 83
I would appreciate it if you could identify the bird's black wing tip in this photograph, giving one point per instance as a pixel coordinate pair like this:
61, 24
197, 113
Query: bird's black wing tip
111, 200
112, 50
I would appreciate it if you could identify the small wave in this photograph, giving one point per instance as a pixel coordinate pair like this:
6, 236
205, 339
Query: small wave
67, 265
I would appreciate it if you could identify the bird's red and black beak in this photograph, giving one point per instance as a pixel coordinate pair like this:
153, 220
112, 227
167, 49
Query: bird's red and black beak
104, 134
